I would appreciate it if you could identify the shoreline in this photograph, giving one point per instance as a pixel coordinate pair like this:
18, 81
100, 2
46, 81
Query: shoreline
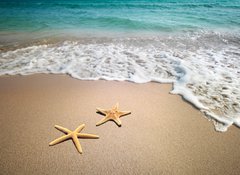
164, 134
13, 40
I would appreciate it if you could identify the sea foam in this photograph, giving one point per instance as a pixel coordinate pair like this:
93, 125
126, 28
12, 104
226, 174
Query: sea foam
204, 68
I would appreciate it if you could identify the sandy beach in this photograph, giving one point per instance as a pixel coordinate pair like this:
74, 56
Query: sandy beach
163, 135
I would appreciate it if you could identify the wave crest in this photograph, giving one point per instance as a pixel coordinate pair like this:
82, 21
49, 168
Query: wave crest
204, 67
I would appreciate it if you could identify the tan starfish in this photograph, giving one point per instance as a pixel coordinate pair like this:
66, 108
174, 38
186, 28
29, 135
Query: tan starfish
74, 135
112, 114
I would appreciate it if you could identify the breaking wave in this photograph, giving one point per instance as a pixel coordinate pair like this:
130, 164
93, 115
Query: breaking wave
203, 67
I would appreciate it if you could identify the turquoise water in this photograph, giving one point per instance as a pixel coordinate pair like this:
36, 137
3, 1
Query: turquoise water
118, 15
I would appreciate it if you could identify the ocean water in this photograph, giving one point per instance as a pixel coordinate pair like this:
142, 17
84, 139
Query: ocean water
120, 15
194, 44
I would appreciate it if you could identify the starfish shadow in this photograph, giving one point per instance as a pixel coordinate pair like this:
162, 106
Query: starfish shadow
108, 120
98, 112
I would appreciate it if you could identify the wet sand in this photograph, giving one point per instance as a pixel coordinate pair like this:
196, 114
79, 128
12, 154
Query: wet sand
163, 135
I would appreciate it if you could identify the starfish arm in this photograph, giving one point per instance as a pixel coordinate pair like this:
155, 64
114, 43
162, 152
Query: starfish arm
62, 129
103, 120
58, 140
80, 128
103, 111
122, 113
117, 121
116, 106
77, 143
88, 136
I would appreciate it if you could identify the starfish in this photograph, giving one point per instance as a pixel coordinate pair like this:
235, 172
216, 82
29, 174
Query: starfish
112, 114
74, 135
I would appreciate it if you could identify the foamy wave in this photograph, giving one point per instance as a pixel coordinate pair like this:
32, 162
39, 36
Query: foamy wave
204, 70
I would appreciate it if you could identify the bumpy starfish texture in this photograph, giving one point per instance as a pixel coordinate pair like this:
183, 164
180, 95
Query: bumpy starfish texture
74, 135
112, 114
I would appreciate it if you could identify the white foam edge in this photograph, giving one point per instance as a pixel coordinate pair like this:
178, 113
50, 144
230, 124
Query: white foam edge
188, 96
221, 123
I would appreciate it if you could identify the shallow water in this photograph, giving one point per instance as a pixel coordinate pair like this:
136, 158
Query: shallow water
118, 15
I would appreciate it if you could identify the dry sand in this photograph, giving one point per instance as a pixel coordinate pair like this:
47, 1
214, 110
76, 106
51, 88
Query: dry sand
163, 135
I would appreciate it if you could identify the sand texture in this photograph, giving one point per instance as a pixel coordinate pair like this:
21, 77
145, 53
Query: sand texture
163, 134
